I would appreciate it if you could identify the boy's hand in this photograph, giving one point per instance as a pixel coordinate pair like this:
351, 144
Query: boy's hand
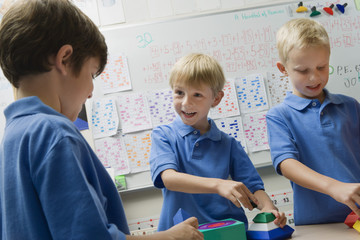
280, 217
236, 192
346, 193
186, 230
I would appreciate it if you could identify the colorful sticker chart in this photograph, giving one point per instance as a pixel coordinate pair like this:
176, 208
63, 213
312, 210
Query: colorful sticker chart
234, 127
255, 131
278, 84
104, 118
138, 147
161, 106
116, 76
134, 112
112, 153
251, 93
228, 106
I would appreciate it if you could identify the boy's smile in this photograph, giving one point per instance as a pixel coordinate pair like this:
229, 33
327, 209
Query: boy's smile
192, 104
308, 69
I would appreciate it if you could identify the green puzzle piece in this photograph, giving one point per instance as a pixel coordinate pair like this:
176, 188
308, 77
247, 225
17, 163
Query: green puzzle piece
264, 217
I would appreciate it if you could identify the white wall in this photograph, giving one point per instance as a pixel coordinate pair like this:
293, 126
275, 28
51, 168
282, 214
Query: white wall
147, 202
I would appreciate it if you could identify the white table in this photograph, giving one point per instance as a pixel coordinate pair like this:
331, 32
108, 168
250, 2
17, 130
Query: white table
338, 231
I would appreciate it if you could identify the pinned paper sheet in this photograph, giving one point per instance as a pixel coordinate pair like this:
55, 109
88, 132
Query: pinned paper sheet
134, 112
105, 120
255, 131
161, 106
233, 126
138, 147
228, 106
89, 7
116, 76
278, 84
251, 93
112, 153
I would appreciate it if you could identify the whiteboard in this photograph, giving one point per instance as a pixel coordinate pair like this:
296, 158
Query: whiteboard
242, 41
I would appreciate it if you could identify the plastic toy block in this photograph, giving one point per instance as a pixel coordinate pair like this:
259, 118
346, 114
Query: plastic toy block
314, 12
356, 225
275, 234
262, 226
301, 8
329, 10
180, 216
228, 229
341, 8
264, 217
351, 219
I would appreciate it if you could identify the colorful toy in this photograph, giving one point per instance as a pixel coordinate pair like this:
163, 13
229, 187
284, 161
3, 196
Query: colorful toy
264, 228
329, 9
314, 12
351, 219
356, 225
341, 8
228, 229
301, 8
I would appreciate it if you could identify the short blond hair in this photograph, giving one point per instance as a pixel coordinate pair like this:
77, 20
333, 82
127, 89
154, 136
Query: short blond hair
196, 69
300, 33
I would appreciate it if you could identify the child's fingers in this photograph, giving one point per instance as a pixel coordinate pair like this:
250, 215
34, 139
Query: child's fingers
192, 221
243, 197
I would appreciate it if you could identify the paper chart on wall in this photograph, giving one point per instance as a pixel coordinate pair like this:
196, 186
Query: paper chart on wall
111, 12
116, 76
7, 97
134, 112
228, 106
105, 120
112, 153
251, 93
138, 146
234, 127
255, 131
161, 106
278, 84
89, 7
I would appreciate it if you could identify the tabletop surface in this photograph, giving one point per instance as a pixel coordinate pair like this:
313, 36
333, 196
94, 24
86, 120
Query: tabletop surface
330, 231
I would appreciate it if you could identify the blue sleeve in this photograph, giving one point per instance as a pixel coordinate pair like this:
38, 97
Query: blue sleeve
71, 205
282, 143
162, 156
243, 169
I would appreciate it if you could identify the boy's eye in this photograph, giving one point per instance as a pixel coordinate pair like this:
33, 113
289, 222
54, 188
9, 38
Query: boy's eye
197, 95
178, 92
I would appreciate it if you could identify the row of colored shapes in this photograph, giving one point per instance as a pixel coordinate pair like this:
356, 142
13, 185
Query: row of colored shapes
329, 10
261, 228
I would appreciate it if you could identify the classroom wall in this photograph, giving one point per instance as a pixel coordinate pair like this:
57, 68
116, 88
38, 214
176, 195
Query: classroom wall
146, 203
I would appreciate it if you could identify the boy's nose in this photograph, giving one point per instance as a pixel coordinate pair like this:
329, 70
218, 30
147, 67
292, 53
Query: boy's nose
186, 100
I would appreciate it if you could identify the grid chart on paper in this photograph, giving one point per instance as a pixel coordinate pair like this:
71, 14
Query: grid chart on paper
104, 118
251, 93
112, 153
228, 106
233, 127
255, 131
138, 148
278, 85
134, 113
116, 76
161, 107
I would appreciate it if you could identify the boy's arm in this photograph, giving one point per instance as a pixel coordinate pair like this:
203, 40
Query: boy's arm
346, 193
266, 205
231, 190
186, 230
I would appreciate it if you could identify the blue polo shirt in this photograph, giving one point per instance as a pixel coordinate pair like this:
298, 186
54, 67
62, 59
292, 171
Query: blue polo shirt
52, 185
213, 155
326, 138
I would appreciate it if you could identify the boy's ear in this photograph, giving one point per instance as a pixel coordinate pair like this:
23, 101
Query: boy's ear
218, 98
62, 58
281, 68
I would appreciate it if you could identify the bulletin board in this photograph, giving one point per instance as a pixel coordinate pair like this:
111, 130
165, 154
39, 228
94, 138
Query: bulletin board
244, 44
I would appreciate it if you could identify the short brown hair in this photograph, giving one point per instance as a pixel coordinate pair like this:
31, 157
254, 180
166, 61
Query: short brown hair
197, 68
33, 30
300, 33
